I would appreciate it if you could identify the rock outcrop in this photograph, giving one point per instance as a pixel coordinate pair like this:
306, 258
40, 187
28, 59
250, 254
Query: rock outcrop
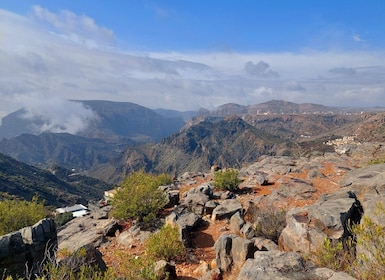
88, 230
22, 252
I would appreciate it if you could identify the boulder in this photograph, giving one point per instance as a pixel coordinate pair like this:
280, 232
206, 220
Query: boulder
133, 236
196, 202
263, 244
87, 256
226, 209
165, 270
307, 227
277, 265
24, 251
295, 188
232, 251
84, 231
185, 220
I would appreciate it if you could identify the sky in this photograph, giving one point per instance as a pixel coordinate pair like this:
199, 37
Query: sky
186, 55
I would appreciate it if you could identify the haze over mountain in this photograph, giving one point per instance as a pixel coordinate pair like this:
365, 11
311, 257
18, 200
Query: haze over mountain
105, 120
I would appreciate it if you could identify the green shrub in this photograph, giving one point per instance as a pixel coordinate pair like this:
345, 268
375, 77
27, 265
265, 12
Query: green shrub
333, 255
165, 244
134, 267
270, 222
227, 179
16, 214
63, 218
365, 257
139, 197
370, 260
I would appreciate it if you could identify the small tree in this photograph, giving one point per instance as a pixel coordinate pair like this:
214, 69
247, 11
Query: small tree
227, 179
139, 197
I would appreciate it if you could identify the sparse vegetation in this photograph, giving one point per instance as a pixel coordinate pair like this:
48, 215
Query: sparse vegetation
16, 214
165, 244
139, 197
370, 260
364, 258
63, 218
377, 161
227, 179
270, 222
333, 255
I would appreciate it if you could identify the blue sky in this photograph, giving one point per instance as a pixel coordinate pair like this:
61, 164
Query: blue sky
241, 26
186, 55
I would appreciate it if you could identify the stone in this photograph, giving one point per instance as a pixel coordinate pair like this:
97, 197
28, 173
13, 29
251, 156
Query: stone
226, 209
85, 230
165, 270
232, 251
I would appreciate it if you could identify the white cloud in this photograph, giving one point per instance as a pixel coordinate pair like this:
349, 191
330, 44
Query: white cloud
56, 114
80, 29
357, 38
261, 69
34, 60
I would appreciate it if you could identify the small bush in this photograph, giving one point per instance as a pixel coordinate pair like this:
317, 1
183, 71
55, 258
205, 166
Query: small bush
134, 267
365, 257
270, 222
165, 244
139, 197
370, 261
63, 218
227, 179
333, 255
16, 214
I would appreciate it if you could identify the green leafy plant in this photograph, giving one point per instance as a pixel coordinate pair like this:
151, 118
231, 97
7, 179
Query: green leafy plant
16, 214
227, 179
165, 244
139, 197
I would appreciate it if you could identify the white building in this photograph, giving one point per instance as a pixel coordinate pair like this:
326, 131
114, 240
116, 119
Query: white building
77, 210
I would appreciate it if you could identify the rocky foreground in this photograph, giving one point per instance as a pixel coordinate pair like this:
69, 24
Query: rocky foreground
320, 193
319, 196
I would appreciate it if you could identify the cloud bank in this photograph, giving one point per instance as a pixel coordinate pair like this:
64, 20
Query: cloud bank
49, 58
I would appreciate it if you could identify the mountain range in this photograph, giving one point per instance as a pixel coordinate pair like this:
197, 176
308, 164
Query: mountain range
125, 137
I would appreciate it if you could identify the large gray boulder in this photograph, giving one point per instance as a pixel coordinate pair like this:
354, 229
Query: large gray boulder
226, 209
87, 230
294, 188
307, 227
185, 220
232, 251
27, 248
277, 265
